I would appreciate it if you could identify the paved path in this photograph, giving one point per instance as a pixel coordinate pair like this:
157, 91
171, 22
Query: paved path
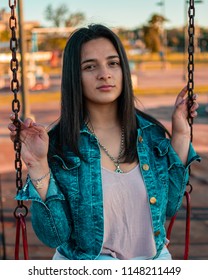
159, 106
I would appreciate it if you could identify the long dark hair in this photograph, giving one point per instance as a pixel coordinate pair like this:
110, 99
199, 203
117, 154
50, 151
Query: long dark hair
73, 109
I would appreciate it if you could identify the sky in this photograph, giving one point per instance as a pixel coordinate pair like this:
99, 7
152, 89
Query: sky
118, 13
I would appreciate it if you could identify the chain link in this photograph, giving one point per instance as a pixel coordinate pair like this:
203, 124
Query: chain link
191, 31
14, 65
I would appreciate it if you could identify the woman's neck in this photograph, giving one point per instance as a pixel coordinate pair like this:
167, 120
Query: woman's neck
103, 116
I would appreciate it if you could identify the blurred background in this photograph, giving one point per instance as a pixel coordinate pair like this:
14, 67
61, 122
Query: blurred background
155, 35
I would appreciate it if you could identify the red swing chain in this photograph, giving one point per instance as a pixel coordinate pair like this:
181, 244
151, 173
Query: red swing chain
190, 85
21, 210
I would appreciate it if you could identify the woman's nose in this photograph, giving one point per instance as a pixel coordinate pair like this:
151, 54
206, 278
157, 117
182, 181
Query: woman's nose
104, 73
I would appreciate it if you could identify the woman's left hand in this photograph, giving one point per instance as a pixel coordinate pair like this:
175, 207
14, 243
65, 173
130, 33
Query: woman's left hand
180, 124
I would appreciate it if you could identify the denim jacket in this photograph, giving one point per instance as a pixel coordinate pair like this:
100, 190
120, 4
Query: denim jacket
71, 217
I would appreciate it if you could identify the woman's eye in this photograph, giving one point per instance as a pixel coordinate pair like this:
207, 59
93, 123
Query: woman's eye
89, 67
114, 63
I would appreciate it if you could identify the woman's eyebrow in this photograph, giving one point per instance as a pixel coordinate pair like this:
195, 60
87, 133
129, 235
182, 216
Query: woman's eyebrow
94, 59
88, 60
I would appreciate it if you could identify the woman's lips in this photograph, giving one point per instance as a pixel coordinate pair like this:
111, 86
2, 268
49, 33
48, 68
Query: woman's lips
105, 87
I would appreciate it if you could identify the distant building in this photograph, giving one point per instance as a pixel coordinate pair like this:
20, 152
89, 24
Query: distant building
4, 26
4, 21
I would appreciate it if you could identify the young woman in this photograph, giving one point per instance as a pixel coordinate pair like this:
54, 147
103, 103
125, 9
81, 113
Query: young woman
104, 178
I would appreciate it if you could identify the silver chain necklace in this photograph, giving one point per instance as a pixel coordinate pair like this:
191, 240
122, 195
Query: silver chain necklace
116, 161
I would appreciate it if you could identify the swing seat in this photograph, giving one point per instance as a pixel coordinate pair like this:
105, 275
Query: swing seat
187, 230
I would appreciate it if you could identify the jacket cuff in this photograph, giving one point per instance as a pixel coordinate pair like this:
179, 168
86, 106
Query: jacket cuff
192, 156
29, 192
165, 147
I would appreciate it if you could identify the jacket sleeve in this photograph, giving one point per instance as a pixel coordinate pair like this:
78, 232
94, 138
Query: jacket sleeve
50, 218
178, 174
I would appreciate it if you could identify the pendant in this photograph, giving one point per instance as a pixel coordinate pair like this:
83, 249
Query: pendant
39, 185
118, 169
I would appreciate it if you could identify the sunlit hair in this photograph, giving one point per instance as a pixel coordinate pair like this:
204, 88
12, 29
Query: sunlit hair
73, 109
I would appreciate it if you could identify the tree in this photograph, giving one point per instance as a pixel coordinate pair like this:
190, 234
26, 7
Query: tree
151, 38
157, 21
56, 15
75, 19
60, 16
153, 33
175, 38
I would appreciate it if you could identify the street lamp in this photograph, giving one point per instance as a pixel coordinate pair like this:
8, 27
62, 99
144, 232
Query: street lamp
164, 34
185, 33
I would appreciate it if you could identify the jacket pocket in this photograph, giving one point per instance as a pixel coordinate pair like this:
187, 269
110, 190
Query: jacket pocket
66, 174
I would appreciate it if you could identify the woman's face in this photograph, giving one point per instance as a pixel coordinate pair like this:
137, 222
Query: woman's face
101, 72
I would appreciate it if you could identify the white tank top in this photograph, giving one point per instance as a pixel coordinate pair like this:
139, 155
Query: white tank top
127, 220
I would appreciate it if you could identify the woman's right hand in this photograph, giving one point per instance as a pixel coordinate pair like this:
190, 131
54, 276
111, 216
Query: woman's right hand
34, 139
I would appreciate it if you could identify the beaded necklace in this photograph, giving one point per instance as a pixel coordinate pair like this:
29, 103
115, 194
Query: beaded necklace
116, 161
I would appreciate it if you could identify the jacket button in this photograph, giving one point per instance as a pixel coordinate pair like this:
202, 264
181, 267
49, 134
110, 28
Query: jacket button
145, 167
156, 233
153, 200
140, 139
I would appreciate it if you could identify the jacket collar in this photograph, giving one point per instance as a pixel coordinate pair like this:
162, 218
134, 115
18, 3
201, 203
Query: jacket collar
143, 123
